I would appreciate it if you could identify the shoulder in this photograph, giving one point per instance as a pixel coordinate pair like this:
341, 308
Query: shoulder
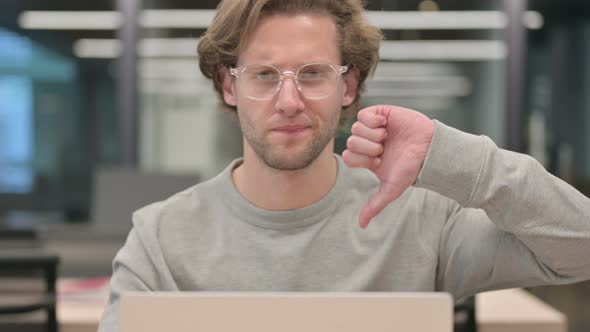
178, 211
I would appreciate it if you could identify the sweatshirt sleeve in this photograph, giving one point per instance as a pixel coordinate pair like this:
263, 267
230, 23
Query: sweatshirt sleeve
515, 224
137, 267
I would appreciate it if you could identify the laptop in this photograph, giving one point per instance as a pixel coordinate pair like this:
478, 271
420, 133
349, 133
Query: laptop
286, 312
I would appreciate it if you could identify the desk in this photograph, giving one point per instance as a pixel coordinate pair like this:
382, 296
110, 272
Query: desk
500, 311
515, 310
81, 303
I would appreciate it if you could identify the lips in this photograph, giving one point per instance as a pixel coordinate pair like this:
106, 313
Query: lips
291, 128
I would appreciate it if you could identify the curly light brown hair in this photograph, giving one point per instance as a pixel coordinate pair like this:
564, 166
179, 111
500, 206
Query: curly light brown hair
236, 20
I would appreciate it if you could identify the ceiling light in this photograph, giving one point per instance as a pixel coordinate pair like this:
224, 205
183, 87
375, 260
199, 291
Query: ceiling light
428, 5
168, 47
448, 20
98, 48
70, 20
176, 18
411, 92
200, 19
148, 47
532, 20
450, 50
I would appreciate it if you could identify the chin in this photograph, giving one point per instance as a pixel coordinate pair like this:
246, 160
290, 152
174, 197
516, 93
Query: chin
288, 161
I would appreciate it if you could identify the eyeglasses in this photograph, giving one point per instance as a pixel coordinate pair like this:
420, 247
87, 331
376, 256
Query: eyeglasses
313, 81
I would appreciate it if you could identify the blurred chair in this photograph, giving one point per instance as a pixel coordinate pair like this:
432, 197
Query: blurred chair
464, 316
118, 192
28, 274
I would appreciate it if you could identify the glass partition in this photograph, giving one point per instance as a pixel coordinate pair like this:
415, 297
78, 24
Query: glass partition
57, 109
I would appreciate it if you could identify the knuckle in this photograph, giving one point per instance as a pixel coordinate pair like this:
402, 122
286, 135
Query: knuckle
346, 156
366, 116
377, 121
377, 149
350, 142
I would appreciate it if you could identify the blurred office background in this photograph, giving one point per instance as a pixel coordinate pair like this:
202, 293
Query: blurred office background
98, 114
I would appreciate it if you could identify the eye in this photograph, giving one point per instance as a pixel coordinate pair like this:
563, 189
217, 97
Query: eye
311, 74
315, 72
266, 75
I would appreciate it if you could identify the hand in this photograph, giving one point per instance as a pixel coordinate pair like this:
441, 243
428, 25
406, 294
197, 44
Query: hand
392, 142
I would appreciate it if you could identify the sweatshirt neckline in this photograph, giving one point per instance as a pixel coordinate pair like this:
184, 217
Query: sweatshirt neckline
284, 219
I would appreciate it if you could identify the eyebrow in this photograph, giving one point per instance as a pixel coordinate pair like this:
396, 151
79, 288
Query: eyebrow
274, 64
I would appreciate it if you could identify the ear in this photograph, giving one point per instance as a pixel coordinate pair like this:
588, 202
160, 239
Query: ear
227, 86
351, 79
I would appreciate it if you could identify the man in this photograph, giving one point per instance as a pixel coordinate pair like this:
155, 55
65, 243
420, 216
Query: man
449, 211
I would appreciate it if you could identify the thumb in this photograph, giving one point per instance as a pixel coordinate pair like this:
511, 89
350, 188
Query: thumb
387, 193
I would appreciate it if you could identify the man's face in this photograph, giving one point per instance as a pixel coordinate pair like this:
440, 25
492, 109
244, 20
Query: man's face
289, 131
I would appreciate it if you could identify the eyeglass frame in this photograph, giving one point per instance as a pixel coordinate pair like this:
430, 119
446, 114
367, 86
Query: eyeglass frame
340, 70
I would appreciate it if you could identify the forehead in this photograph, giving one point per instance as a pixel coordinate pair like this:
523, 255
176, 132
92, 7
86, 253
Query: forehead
291, 40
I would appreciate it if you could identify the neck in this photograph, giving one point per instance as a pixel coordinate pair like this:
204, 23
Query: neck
273, 189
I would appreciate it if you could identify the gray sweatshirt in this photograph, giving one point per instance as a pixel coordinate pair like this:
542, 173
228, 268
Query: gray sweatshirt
478, 218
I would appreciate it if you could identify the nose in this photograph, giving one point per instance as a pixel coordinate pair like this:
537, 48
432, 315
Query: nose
288, 99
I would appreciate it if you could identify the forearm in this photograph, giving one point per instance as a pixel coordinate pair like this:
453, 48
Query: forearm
547, 215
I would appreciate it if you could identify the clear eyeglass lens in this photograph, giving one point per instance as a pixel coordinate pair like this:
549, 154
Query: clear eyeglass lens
260, 82
317, 80
314, 80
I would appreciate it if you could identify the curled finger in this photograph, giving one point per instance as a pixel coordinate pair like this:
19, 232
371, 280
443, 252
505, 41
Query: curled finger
376, 135
364, 146
358, 160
